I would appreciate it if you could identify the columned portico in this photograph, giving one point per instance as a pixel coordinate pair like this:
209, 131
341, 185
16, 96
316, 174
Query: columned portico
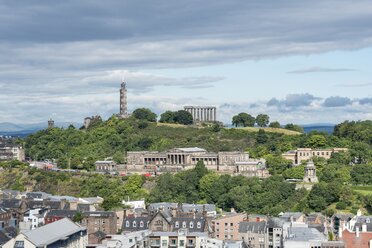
201, 113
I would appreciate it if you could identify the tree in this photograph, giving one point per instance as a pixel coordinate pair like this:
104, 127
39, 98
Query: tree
295, 172
243, 120
275, 124
144, 114
294, 127
316, 141
183, 117
261, 136
167, 117
262, 120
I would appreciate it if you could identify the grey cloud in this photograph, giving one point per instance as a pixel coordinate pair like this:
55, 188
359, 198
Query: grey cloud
366, 101
337, 101
293, 101
320, 69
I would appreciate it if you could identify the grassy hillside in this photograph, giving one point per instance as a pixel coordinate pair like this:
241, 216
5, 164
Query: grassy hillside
271, 130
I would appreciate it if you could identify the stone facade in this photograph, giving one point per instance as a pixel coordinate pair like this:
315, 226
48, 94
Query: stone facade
227, 227
304, 154
178, 159
202, 113
50, 123
123, 101
310, 173
105, 166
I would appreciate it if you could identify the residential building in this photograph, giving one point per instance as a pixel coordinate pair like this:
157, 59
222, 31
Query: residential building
227, 227
62, 233
304, 237
358, 232
103, 221
179, 238
253, 234
303, 154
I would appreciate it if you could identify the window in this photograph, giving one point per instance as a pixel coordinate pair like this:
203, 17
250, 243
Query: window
134, 224
19, 244
226, 224
176, 225
141, 223
231, 224
127, 223
184, 224
191, 242
368, 220
174, 241
198, 225
182, 243
164, 243
191, 224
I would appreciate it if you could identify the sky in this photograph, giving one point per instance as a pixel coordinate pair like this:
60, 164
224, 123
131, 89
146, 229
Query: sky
297, 61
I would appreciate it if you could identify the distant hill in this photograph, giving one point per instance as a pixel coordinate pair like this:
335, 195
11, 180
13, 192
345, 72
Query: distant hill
321, 127
22, 130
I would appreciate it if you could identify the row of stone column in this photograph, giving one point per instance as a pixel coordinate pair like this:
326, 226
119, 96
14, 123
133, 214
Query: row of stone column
202, 113
176, 159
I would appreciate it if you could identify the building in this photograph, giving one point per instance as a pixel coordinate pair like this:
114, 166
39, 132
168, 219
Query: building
303, 154
62, 233
11, 152
227, 227
89, 120
253, 233
202, 113
310, 173
50, 123
207, 209
95, 221
180, 238
106, 166
123, 101
178, 159
358, 232
304, 237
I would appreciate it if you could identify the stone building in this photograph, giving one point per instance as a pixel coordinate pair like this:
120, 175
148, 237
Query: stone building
50, 123
106, 166
227, 227
304, 154
178, 159
202, 113
94, 221
310, 173
253, 233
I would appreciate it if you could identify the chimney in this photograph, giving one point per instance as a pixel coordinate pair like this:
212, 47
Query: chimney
340, 232
364, 227
357, 231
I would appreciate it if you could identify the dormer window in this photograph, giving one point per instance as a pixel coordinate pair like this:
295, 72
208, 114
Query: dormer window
141, 223
184, 224
191, 224
177, 224
198, 225
368, 220
134, 224
127, 223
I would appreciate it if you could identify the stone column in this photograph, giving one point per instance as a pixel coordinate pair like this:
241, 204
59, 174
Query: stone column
215, 114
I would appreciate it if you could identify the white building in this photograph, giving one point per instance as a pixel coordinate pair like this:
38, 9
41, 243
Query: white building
62, 233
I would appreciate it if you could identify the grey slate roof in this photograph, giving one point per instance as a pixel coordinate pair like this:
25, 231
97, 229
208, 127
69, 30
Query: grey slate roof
3, 237
10, 203
129, 226
254, 227
305, 234
367, 220
71, 213
275, 222
53, 232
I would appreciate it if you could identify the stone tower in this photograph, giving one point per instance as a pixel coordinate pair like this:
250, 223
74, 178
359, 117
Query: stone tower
123, 101
310, 173
50, 123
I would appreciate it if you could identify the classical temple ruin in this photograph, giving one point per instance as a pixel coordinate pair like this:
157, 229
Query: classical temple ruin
202, 113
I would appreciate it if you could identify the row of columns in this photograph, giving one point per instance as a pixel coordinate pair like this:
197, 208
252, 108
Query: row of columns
176, 159
202, 113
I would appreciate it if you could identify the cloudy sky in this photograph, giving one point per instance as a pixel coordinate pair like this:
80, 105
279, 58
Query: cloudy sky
298, 61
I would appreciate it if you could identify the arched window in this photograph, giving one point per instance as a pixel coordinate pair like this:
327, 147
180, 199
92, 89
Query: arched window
198, 225
184, 224
127, 223
141, 223
177, 224
134, 224
191, 224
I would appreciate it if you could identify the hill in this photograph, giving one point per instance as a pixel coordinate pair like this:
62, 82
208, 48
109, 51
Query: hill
271, 130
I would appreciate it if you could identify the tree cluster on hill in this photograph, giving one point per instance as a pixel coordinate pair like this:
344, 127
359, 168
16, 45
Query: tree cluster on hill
180, 117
